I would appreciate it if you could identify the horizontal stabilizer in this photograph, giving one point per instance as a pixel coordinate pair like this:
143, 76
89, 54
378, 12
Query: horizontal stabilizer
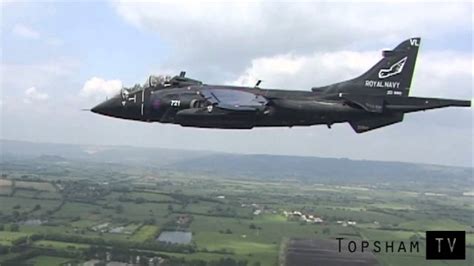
414, 104
372, 104
381, 104
364, 125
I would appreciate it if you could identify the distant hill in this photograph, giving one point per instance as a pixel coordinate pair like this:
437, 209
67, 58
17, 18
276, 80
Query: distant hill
109, 154
312, 169
322, 169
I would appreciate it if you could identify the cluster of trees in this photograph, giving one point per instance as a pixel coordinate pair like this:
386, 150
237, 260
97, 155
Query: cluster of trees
18, 213
117, 254
121, 188
4, 249
83, 191
227, 231
139, 200
222, 251
211, 213
19, 244
22, 257
254, 227
12, 227
148, 258
221, 211
148, 245
26, 254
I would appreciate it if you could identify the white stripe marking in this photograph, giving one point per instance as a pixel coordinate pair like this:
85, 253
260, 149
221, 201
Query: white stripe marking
143, 100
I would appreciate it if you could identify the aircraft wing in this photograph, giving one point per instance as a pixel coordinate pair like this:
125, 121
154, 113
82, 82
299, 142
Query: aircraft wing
234, 100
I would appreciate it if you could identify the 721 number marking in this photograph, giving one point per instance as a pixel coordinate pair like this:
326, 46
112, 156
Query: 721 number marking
175, 103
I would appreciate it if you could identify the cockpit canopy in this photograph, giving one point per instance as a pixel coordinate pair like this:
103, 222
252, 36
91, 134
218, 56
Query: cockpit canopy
155, 81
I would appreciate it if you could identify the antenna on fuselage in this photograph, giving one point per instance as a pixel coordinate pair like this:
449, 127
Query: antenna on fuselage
258, 83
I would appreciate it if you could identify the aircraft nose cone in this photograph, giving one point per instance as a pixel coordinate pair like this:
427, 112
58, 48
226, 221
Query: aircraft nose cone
101, 108
95, 109
110, 107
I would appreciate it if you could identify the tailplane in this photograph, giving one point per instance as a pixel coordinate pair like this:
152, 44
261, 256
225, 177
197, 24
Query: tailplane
387, 110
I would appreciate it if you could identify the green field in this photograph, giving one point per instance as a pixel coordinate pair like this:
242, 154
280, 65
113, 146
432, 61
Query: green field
26, 193
389, 235
10, 204
441, 224
146, 232
48, 261
131, 228
45, 186
6, 238
238, 219
152, 196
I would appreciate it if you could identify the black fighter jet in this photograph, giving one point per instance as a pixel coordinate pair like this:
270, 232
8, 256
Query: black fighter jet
377, 98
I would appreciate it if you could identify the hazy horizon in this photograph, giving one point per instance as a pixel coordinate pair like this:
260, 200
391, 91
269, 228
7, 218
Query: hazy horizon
218, 152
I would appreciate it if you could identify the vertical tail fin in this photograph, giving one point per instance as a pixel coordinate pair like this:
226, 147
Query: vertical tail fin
392, 75
394, 72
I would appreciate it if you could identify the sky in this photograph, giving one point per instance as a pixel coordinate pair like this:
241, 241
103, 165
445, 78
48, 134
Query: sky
58, 58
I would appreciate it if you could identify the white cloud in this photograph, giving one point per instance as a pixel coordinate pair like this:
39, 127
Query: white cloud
289, 71
437, 74
28, 32
211, 41
97, 88
32, 94
25, 31
54, 41
49, 74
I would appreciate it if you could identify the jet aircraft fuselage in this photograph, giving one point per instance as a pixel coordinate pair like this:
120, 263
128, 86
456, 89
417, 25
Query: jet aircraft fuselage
375, 99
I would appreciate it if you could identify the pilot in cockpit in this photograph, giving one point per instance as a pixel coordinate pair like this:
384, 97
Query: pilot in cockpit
157, 81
